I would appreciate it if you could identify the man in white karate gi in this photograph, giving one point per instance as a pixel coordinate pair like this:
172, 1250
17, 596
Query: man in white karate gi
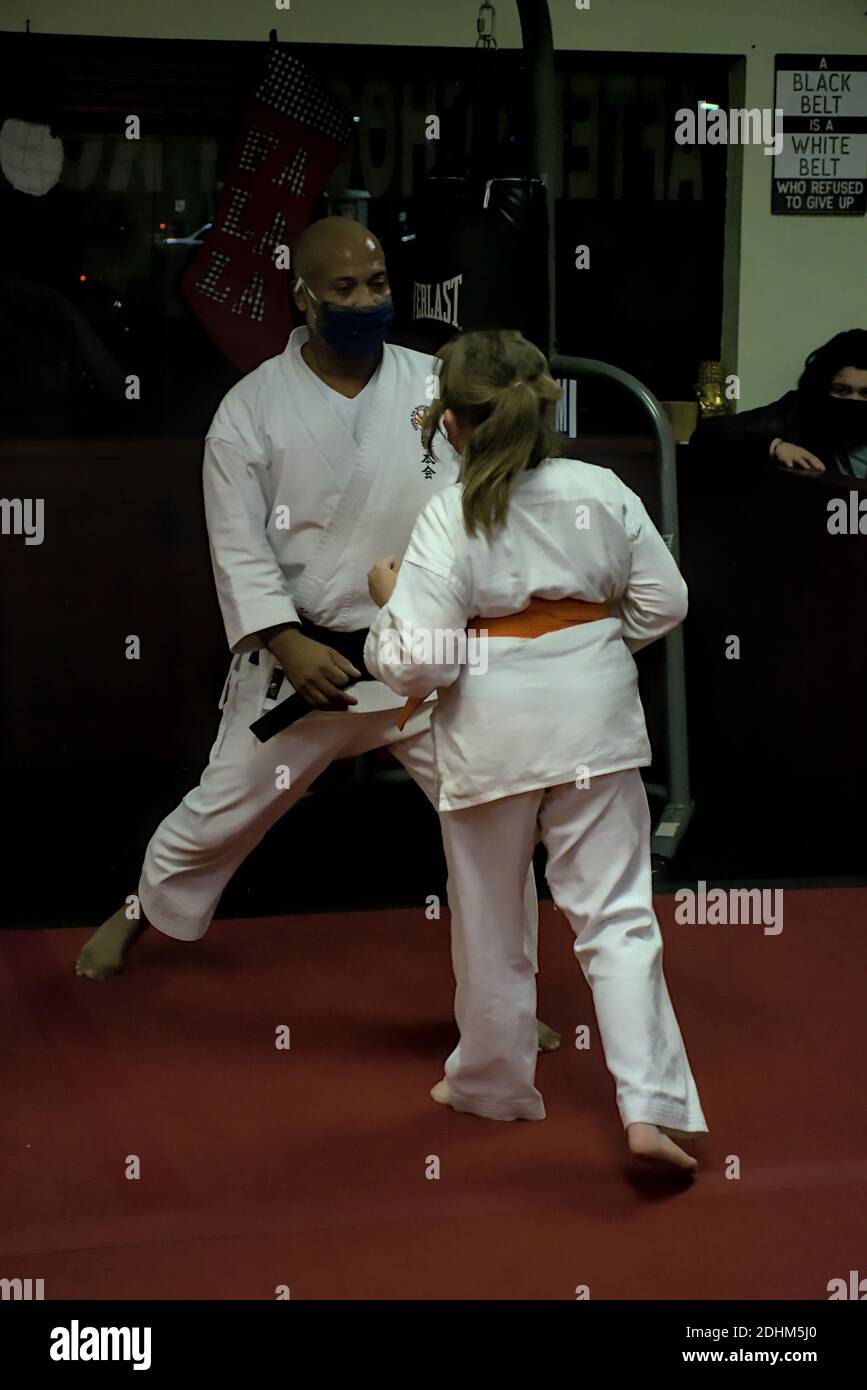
313, 469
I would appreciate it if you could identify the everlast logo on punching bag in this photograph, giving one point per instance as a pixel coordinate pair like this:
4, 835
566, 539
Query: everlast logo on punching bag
435, 302
468, 269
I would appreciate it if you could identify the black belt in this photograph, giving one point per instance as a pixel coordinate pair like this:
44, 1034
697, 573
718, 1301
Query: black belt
349, 644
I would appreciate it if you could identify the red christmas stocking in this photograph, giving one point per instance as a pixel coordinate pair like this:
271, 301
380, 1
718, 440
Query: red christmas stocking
293, 136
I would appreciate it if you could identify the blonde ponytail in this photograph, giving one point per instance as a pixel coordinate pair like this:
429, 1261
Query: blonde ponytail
498, 384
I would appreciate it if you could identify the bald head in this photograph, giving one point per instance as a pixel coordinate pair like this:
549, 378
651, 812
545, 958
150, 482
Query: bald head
335, 248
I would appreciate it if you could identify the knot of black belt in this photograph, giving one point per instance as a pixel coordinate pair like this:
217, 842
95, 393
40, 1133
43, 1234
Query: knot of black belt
347, 644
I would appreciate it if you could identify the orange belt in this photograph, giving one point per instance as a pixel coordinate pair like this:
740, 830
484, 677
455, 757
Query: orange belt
540, 616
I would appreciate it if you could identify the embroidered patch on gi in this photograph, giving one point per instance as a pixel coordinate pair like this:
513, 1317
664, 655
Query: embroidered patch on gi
429, 463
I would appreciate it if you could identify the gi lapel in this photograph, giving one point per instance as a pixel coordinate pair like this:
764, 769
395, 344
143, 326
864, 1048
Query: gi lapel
312, 416
356, 478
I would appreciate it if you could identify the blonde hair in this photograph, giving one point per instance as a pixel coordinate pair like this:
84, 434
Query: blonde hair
498, 384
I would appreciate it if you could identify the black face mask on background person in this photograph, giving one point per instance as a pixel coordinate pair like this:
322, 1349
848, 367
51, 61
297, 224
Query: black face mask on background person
845, 421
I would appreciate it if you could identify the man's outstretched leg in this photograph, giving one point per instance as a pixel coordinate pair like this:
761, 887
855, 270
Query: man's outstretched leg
243, 792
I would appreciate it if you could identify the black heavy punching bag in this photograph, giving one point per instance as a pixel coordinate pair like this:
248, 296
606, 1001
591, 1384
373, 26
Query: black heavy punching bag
480, 254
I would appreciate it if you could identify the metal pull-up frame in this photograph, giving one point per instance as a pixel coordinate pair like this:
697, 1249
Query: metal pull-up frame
678, 806
544, 142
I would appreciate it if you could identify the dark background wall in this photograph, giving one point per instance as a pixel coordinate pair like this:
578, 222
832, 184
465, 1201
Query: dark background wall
651, 211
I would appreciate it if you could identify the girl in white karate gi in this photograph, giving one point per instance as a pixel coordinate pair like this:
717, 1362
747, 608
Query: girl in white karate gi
539, 733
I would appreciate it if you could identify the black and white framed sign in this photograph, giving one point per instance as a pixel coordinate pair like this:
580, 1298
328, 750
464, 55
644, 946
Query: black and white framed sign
821, 169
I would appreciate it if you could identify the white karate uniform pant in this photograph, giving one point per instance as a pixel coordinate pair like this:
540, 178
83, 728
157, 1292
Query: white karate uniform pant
598, 843
197, 848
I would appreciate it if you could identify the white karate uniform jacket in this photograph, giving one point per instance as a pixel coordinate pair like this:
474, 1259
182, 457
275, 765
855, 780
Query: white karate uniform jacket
548, 706
297, 512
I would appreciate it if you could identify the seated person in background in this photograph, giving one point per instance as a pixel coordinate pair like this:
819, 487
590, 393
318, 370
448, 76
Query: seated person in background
820, 427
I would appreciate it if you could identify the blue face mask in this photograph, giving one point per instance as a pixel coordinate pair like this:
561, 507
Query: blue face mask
352, 332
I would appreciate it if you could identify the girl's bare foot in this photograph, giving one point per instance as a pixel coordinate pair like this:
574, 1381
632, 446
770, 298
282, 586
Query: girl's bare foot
549, 1041
442, 1095
105, 952
651, 1144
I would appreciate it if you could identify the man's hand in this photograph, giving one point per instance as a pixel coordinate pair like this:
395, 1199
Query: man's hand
381, 579
794, 456
317, 672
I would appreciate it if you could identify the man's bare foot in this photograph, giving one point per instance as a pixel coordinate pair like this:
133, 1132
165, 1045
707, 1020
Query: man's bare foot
549, 1041
105, 952
651, 1144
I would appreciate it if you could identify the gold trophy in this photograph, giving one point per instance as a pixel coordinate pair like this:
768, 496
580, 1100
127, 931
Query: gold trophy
709, 390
